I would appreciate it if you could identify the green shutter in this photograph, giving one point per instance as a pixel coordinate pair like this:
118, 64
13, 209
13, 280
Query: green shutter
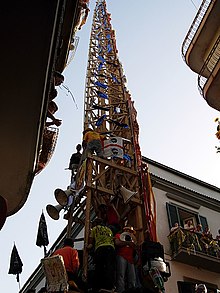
203, 222
172, 213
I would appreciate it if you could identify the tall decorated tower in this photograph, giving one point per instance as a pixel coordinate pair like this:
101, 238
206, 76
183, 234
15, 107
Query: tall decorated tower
118, 177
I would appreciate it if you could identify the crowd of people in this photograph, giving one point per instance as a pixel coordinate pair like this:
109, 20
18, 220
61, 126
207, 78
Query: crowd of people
114, 257
115, 261
194, 237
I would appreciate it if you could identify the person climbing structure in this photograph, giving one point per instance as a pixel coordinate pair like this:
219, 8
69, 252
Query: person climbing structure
75, 161
92, 141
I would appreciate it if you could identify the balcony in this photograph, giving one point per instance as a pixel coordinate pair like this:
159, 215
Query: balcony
201, 51
209, 84
195, 249
47, 148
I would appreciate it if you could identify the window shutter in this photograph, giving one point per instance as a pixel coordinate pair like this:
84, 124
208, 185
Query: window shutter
172, 213
203, 222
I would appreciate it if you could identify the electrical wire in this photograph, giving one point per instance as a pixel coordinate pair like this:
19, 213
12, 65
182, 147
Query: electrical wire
194, 4
68, 90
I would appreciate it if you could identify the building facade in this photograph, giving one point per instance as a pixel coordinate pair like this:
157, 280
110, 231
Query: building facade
179, 198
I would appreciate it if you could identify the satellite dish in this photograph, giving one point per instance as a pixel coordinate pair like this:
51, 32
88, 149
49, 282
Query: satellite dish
3, 211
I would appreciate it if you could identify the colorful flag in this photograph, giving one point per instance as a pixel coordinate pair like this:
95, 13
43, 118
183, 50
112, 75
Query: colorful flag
101, 108
100, 120
127, 157
102, 95
101, 59
104, 86
119, 124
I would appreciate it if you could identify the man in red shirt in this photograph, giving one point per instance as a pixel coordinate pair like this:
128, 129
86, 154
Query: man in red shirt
125, 244
70, 258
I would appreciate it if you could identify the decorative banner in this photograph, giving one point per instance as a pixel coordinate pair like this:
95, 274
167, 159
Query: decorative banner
104, 86
114, 78
100, 120
127, 157
109, 48
102, 95
101, 59
119, 123
100, 66
113, 147
101, 108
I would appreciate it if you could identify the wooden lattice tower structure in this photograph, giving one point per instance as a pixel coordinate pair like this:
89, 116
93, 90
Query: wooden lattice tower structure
110, 111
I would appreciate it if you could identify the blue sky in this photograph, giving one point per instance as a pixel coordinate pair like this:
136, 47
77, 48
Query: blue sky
177, 126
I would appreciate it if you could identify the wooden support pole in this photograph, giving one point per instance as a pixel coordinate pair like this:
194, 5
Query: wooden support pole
87, 220
70, 221
139, 223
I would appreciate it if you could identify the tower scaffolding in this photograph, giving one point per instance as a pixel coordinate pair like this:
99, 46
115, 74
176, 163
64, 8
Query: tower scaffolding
120, 177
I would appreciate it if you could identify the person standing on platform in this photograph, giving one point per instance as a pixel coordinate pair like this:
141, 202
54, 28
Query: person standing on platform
70, 258
101, 238
75, 161
125, 244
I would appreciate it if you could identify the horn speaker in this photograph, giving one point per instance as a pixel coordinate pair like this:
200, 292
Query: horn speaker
53, 211
62, 196
126, 194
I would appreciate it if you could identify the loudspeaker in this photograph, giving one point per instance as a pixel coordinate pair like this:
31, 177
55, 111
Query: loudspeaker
62, 196
53, 211
126, 194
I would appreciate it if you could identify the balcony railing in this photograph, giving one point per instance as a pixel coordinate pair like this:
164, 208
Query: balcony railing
72, 49
47, 149
209, 64
195, 249
195, 25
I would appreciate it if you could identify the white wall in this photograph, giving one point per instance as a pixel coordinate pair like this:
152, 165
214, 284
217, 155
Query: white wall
179, 271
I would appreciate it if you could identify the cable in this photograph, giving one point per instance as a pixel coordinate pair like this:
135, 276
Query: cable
194, 4
68, 90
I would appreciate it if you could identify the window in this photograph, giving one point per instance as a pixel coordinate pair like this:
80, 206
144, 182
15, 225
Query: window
177, 214
185, 287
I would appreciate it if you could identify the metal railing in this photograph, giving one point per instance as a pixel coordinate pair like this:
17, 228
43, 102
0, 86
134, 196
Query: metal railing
193, 242
72, 50
195, 25
210, 64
